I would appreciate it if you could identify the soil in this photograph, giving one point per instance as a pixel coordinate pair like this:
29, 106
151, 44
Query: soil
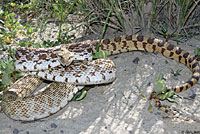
122, 106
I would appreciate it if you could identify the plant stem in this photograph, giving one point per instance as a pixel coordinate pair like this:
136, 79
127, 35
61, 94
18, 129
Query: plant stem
61, 19
104, 27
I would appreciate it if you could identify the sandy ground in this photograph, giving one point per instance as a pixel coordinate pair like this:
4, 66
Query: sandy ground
122, 106
119, 108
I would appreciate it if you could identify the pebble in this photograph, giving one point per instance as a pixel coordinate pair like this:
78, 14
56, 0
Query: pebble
136, 60
15, 131
193, 95
53, 125
115, 57
149, 84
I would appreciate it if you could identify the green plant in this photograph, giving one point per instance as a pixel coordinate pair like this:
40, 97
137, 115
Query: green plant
103, 54
48, 43
197, 52
176, 73
159, 86
8, 74
176, 15
164, 32
12, 27
63, 9
160, 92
185, 8
80, 95
61, 18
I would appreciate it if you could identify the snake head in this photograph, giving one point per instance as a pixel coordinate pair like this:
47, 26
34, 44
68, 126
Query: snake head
65, 57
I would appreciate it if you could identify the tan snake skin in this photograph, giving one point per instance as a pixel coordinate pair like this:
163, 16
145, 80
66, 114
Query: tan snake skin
12, 106
138, 42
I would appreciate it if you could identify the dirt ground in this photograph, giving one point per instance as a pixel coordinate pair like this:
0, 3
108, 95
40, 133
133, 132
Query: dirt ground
122, 106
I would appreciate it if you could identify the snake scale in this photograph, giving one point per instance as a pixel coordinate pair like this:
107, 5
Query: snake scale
70, 67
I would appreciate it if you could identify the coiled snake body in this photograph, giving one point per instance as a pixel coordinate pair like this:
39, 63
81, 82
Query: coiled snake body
71, 67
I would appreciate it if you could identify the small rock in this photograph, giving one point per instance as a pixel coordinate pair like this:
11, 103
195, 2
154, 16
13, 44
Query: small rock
130, 132
15, 131
136, 60
192, 95
131, 106
61, 131
149, 84
115, 57
53, 125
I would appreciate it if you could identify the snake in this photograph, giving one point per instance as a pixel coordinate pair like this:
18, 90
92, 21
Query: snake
71, 66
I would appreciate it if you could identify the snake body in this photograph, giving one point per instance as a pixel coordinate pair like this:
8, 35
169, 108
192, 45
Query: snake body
29, 108
71, 65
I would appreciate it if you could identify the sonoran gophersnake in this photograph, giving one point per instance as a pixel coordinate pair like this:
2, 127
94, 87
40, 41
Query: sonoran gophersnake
71, 67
